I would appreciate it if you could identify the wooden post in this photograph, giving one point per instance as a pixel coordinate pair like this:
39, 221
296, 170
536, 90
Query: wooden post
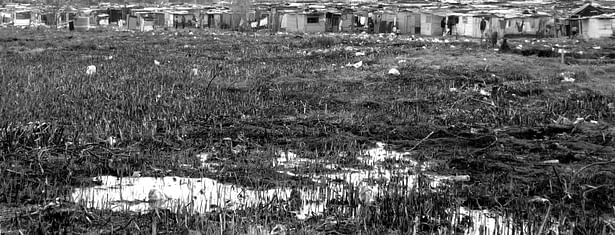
562, 60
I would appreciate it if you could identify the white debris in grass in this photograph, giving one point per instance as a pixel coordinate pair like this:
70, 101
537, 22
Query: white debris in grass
91, 70
203, 157
112, 141
554, 161
356, 65
567, 76
156, 62
394, 72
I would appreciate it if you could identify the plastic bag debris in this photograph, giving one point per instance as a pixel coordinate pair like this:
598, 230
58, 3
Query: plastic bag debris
394, 71
356, 65
91, 70
567, 76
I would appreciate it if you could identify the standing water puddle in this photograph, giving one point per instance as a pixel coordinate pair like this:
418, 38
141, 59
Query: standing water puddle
201, 195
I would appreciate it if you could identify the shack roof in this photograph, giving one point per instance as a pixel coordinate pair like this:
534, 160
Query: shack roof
586, 10
602, 16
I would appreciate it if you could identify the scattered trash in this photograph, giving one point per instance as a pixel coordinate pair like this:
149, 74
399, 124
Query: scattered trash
156, 62
484, 92
565, 121
596, 48
539, 199
567, 76
578, 120
401, 61
203, 156
360, 53
109, 57
112, 141
452, 89
555, 161
195, 72
356, 65
394, 71
91, 70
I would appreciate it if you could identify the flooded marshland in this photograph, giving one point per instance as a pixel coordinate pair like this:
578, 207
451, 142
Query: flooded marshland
236, 133
203, 195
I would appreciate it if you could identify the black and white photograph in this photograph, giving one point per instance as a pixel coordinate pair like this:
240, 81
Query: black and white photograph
309, 117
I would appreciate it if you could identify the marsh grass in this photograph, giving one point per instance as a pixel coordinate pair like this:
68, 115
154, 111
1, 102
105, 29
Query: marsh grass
267, 93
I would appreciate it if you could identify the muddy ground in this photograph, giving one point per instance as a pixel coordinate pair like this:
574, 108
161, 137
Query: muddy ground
535, 136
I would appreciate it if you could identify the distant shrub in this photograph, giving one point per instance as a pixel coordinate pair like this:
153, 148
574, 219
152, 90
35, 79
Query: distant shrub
322, 41
85, 46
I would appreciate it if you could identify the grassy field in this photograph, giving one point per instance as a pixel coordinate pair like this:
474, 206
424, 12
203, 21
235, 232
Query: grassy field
536, 147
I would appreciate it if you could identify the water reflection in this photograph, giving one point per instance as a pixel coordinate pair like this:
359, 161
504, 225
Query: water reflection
202, 195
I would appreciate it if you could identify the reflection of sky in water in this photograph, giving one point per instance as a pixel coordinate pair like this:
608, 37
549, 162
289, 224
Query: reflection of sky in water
200, 195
